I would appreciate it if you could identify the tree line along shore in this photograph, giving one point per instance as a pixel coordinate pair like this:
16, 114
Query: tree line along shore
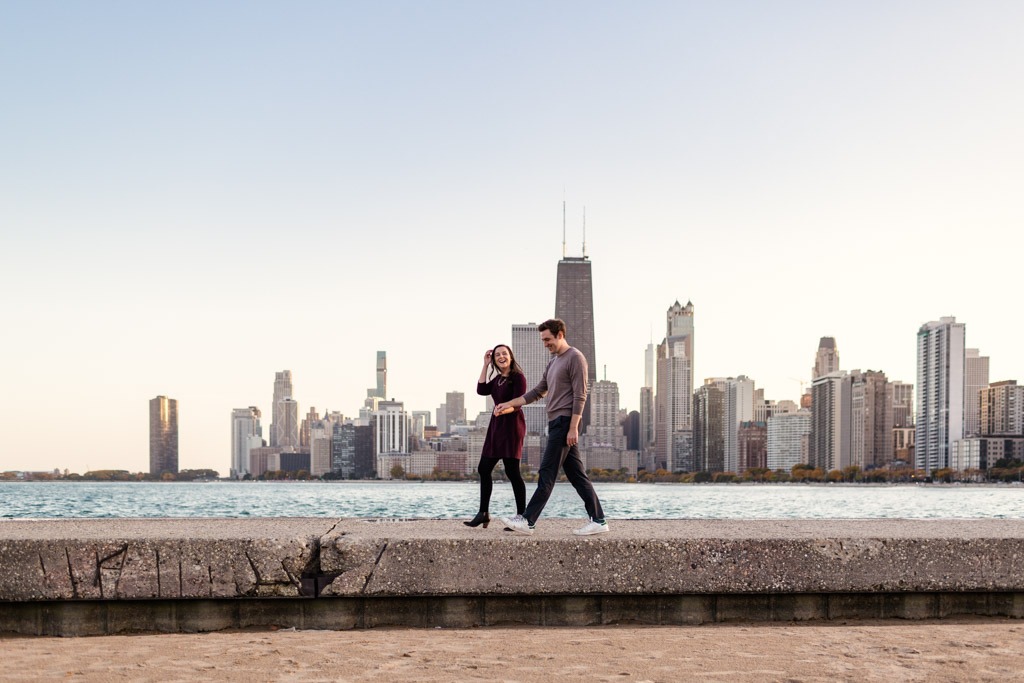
1005, 470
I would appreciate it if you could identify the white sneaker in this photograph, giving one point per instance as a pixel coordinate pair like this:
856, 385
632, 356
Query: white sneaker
591, 528
518, 524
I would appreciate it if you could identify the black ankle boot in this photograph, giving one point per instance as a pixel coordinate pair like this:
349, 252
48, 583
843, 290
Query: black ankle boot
482, 517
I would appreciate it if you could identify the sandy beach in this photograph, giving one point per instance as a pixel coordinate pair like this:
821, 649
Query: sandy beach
948, 650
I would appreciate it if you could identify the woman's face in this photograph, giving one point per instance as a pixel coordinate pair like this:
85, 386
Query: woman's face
502, 358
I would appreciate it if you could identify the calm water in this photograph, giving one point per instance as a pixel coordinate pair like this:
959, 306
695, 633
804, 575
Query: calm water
445, 499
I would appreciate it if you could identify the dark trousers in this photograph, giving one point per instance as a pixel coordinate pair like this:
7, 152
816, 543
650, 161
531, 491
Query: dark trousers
487, 466
556, 455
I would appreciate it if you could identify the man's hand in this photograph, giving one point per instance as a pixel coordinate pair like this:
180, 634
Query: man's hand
573, 436
501, 408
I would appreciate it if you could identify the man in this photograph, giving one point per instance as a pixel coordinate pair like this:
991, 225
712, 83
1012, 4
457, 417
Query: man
565, 384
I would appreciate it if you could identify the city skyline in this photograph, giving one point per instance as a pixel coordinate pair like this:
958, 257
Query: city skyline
370, 188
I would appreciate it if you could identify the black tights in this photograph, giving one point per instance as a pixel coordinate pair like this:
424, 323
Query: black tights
485, 468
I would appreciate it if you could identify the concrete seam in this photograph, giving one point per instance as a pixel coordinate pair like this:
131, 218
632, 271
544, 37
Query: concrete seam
99, 577
157, 552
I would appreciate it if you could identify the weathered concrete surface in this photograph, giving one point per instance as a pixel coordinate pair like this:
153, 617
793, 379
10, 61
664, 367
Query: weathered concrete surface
122, 559
152, 559
443, 557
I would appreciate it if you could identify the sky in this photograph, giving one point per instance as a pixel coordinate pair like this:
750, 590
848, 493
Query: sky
196, 195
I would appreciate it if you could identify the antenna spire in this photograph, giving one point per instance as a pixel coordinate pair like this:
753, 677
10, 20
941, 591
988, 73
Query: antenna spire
563, 225
584, 232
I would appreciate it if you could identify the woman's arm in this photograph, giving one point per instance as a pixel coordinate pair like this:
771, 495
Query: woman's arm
483, 387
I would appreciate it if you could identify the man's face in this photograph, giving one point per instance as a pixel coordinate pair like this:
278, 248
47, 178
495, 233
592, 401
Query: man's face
550, 341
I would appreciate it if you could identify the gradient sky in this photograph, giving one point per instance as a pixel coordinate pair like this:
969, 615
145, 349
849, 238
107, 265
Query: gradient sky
195, 195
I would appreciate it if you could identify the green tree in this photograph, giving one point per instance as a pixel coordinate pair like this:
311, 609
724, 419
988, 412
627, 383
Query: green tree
397, 472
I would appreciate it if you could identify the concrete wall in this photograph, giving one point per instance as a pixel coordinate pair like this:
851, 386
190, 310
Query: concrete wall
87, 576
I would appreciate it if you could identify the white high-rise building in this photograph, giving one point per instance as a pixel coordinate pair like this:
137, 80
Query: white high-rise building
286, 423
975, 379
392, 428
739, 408
940, 392
533, 358
787, 434
673, 411
283, 389
246, 433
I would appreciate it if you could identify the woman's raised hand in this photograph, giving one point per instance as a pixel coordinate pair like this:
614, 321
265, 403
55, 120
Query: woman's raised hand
487, 356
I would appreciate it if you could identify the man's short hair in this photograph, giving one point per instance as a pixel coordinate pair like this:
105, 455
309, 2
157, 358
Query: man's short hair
554, 326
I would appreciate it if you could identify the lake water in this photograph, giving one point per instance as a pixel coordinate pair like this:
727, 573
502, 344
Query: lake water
460, 499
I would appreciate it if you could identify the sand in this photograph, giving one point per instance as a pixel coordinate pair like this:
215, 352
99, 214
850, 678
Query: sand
947, 650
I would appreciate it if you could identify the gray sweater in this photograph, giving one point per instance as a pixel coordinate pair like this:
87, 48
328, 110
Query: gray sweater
564, 383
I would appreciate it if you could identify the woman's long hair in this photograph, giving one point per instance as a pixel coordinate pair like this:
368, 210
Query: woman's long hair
513, 366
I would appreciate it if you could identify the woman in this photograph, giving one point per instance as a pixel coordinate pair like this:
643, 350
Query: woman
505, 433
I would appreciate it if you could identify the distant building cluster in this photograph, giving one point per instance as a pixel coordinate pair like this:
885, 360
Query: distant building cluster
844, 419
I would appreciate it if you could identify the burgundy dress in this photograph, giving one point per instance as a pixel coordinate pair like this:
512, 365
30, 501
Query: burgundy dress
505, 433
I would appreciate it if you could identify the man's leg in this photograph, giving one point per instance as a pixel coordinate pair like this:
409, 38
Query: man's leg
558, 430
577, 476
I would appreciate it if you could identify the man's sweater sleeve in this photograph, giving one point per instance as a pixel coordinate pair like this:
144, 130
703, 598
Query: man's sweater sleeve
539, 391
578, 375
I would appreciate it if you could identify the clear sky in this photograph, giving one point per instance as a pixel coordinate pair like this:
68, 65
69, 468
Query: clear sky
194, 195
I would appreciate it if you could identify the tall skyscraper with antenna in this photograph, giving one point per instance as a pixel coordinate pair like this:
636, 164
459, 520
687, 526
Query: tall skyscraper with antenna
574, 304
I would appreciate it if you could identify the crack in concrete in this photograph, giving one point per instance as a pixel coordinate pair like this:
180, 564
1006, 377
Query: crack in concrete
256, 572
99, 577
290, 577
181, 583
158, 587
124, 548
120, 571
71, 574
209, 569
369, 575
42, 566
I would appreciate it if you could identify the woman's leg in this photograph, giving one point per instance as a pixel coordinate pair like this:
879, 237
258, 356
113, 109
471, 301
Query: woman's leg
518, 485
485, 468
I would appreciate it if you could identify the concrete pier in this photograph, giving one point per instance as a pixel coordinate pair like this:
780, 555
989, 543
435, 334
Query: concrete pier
70, 577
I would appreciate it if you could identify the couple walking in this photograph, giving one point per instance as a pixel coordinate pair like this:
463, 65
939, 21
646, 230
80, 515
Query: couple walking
564, 383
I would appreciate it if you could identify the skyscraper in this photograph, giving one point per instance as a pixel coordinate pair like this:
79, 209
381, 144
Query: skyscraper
391, 432
246, 434
1002, 409
605, 426
647, 418
871, 415
940, 392
673, 409
282, 389
975, 379
381, 390
709, 419
532, 358
286, 423
163, 435
830, 421
574, 305
827, 358
455, 408
787, 436
739, 408
902, 404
